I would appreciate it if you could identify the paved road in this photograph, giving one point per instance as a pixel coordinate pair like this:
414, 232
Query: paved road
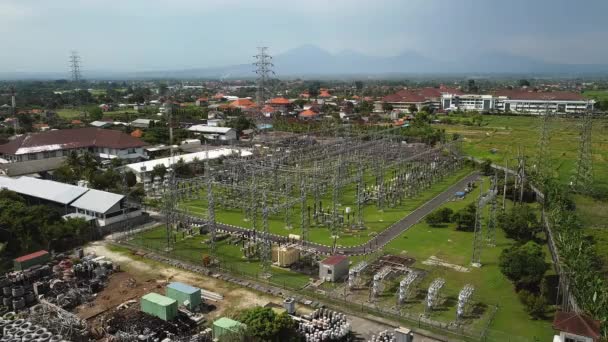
382, 238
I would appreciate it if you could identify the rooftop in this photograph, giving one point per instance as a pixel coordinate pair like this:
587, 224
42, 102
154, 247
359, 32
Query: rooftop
188, 158
159, 299
209, 129
334, 260
574, 323
516, 94
31, 256
97, 201
184, 288
69, 139
45, 189
227, 323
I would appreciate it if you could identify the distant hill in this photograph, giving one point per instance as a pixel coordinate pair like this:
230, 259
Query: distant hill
312, 61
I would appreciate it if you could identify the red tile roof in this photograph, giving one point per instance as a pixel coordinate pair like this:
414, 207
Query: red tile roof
138, 133
574, 323
532, 95
242, 103
279, 101
76, 122
68, 139
309, 113
420, 95
268, 109
324, 93
334, 260
31, 256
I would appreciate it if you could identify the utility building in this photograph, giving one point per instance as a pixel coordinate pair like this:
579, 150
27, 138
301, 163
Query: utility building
27, 261
333, 268
185, 295
226, 326
160, 306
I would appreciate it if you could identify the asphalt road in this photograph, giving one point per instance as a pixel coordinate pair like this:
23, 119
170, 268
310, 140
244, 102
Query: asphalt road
382, 238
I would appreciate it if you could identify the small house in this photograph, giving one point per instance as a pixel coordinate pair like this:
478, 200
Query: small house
575, 327
333, 268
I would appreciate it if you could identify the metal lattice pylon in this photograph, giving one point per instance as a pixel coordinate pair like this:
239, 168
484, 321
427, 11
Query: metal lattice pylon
491, 230
542, 158
211, 218
75, 63
263, 64
266, 252
478, 231
582, 179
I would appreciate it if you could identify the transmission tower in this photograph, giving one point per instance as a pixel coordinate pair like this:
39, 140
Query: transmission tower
478, 237
266, 255
582, 179
211, 217
263, 65
75, 63
542, 158
491, 231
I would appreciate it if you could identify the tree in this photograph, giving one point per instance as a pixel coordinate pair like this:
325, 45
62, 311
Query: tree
520, 223
436, 218
472, 87
240, 124
182, 169
535, 304
465, 218
265, 325
523, 83
525, 265
486, 167
366, 107
387, 107
159, 170
95, 113
412, 108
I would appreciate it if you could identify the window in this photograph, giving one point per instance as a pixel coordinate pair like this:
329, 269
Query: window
329, 271
32, 156
46, 154
131, 150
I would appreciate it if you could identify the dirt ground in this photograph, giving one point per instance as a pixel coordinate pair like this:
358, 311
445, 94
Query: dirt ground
149, 276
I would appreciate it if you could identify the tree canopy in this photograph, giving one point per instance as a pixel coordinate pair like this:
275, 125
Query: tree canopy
525, 265
263, 324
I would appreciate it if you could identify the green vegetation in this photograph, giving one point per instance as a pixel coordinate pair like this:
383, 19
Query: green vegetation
263, 324
374, 219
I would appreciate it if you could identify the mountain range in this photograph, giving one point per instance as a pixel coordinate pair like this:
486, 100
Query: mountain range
310, 61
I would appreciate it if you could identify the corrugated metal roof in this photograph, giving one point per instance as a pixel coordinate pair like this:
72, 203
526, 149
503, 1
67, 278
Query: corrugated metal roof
184, 288
188, 158
31, 256
97, 201
44, 189
159, 299
209, 129
334, 259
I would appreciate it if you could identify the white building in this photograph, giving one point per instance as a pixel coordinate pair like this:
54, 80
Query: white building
77, 202
519, 102
214, 133
143, 170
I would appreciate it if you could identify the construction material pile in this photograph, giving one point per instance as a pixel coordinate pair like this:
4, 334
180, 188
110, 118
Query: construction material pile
384, 336
324, 325
128, 320
60, 282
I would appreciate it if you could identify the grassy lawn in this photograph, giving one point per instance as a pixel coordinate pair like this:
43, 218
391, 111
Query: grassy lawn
68, 113
598, 95
374, 219
192, 249
507, 133
491, 287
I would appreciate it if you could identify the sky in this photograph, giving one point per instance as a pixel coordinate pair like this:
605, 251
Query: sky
141, 35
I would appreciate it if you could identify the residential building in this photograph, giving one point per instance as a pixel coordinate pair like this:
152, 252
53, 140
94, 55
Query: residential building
202, 101
143, 123
242, 103
103, 143
279, 104
214, 132
333, 268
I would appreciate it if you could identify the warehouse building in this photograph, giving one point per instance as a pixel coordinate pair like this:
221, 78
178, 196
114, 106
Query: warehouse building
333, 268
160, 306
185, 295
92, 205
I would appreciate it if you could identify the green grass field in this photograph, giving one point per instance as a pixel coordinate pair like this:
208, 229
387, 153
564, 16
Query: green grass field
375, 220
598, 95
491, 287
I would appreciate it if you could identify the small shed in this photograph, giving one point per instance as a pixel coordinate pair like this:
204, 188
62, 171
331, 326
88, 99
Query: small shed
576, 327
160, 306
184, 294
225, 326
333, 268
33, 259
